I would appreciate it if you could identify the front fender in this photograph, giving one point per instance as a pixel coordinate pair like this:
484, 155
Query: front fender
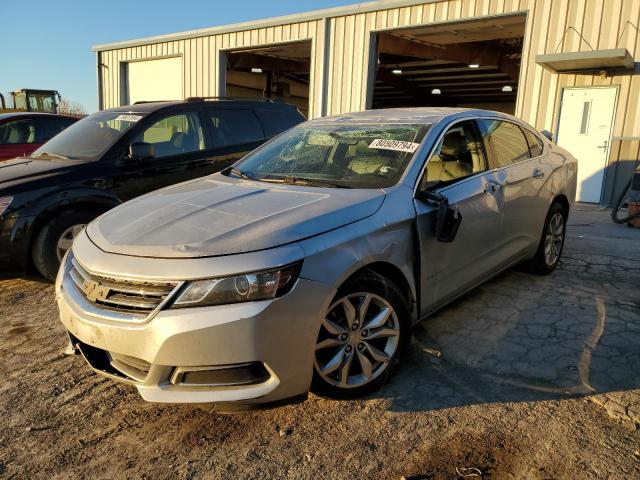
53, 200
386, 237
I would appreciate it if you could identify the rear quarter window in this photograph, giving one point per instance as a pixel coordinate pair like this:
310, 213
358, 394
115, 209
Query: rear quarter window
535, 144
275, 122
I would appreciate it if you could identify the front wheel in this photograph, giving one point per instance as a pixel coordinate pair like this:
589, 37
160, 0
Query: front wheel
361, 336
55, 238
552, 241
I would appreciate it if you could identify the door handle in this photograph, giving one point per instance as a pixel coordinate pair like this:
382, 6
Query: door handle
492, 188
604, 145
537, 173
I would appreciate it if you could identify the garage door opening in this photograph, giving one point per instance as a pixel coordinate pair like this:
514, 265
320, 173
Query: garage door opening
279, 72
472, 64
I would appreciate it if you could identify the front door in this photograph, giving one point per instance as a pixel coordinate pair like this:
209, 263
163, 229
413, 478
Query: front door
458, 170
586, 121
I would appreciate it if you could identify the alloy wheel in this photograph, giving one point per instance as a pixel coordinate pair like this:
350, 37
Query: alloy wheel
553, 239
357, 341
66, 240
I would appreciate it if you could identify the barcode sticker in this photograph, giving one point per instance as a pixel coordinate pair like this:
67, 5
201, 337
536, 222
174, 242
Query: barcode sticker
128, 118
398, 145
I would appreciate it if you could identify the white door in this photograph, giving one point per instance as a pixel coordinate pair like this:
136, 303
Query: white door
586, 120
159, 79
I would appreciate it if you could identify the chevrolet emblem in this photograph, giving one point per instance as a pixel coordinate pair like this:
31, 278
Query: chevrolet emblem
94, 291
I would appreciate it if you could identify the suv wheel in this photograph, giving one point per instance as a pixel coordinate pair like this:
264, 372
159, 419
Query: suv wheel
552, 241
55, 238
362, 334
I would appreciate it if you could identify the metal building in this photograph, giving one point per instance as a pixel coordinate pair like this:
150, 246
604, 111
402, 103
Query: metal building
566, 66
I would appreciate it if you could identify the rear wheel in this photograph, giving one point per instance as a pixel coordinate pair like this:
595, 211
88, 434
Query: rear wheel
55, 238
362, 334
552, 241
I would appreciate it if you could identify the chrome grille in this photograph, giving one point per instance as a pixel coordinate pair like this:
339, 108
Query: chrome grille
138, 298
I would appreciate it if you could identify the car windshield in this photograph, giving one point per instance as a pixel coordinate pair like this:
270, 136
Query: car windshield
335, 155
90, 137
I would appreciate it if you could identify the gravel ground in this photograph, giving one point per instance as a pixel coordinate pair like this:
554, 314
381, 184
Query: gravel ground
527, 365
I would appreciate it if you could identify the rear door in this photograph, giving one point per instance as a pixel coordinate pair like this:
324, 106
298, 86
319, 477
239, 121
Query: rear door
458, 169
521, 178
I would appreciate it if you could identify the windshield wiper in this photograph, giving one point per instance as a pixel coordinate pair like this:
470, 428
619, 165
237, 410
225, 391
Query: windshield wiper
51, 155
239, 173
311, 182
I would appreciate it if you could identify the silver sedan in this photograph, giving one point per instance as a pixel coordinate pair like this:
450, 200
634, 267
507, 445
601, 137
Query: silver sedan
305, 265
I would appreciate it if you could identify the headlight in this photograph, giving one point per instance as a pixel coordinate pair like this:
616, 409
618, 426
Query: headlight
247, 287
4, 203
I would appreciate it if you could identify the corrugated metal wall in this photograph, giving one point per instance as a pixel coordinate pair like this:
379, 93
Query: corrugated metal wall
603, 24
201, 55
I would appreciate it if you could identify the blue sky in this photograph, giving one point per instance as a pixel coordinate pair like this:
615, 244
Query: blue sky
45, 44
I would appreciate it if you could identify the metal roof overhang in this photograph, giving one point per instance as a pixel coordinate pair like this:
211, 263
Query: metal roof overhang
326, 13
594, 60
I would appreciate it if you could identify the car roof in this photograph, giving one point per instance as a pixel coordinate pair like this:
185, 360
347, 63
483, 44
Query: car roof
151, 106
4, 116
417, 115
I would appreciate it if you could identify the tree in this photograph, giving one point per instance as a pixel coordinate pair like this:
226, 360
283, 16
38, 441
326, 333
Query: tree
67, 107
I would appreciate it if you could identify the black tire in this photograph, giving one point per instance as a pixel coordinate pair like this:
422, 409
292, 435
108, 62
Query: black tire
45, 247
381, 287
539, 265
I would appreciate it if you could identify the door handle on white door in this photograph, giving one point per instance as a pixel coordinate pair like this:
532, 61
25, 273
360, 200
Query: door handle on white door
604, 145
537, 173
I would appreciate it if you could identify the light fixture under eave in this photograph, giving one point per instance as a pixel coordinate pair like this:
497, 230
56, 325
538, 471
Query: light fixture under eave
507, 88
396, 71
256, 70
474, 65
436, 91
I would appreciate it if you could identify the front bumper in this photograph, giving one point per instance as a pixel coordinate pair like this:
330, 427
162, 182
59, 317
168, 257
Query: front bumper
14, 243
277, 334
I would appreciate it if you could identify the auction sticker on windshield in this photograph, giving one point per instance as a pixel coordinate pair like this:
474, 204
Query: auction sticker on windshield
128, 118
398, 145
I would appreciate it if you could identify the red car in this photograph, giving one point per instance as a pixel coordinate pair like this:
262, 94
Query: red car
23, 132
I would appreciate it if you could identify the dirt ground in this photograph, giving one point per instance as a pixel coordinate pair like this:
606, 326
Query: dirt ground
511, 396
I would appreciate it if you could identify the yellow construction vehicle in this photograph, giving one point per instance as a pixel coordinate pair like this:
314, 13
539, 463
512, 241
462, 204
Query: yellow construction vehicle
32, 100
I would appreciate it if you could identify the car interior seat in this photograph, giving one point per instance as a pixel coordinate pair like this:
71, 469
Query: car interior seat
19, 134
454, 160
31, 137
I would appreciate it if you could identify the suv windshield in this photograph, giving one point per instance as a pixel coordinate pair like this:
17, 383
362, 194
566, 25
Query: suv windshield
338, 155
90, 137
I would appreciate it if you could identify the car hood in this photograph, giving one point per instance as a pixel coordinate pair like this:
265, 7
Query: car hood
22, 170
218, 215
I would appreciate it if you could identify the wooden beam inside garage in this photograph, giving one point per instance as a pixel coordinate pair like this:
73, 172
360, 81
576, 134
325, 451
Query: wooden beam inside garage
468, 54
242, 60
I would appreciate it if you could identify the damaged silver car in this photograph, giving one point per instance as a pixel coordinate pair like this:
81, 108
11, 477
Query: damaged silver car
305, 265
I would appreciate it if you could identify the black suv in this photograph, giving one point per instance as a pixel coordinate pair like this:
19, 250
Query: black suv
115, 155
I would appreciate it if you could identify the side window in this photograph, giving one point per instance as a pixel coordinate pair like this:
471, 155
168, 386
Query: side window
174, 135
276, 122
458, 155
234, 127
17, 132
535, 144
506, 141
45, 128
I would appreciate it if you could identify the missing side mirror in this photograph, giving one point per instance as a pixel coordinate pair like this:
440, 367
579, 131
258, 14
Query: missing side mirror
448, 219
